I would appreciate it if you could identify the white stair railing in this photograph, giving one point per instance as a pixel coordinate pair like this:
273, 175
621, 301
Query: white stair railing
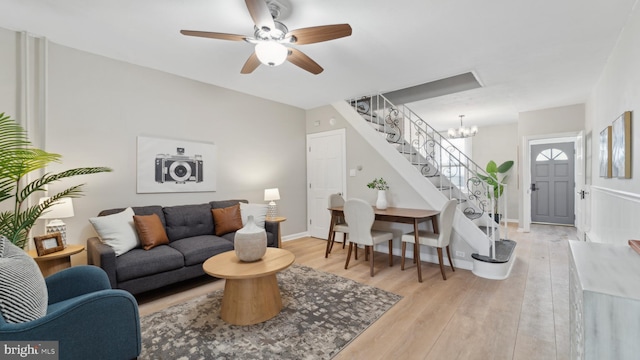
438, 159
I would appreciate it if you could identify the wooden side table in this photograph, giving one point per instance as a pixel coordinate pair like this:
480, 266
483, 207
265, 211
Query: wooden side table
52, 263
251, 292
278, 219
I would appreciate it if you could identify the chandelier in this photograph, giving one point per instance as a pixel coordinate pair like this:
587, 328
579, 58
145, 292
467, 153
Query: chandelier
462, 131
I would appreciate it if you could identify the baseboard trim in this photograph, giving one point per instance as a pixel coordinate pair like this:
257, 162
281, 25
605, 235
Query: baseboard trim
295, 236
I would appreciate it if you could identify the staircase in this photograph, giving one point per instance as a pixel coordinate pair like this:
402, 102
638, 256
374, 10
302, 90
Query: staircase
446, 173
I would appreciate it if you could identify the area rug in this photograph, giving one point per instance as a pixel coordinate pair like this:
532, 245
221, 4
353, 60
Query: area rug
321, 314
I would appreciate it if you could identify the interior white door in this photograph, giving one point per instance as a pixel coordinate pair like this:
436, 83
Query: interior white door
326, 161
581, 190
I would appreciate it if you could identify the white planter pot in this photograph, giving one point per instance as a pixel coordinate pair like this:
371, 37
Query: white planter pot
250, 242
381, 203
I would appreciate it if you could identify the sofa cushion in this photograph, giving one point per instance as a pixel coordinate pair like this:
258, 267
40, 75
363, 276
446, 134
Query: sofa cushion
188, 220
197, 249
139, 210
117, 230
23, 292
227, 219
225, 203
138, 262
259, 212
229, 237
150, 231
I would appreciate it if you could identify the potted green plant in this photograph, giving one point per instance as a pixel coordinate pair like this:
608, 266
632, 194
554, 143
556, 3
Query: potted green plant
497, 178
17, 159
382, 187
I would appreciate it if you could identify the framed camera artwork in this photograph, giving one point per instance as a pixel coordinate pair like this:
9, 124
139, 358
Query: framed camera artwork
47, 244
168, 165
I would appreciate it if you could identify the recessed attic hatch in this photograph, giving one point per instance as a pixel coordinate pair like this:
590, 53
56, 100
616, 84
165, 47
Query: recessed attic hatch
446, 86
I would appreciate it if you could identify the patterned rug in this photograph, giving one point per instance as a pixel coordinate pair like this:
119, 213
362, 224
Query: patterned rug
321, 314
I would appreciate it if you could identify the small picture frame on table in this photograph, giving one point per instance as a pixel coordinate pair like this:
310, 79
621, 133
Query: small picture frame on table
49, 243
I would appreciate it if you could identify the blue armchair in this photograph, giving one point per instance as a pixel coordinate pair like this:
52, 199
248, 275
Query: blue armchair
87, 318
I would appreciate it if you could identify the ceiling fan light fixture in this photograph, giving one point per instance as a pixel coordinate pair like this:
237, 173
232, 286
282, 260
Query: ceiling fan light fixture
271, 53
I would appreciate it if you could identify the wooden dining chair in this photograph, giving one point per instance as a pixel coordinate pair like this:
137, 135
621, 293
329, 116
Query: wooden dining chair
340, 226
439, 241
360, 217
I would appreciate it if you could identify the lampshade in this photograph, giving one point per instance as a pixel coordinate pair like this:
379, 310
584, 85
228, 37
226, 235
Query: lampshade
61, 209
271, 53
271, 194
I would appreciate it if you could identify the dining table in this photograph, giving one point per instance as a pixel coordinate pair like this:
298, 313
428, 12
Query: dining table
397, 215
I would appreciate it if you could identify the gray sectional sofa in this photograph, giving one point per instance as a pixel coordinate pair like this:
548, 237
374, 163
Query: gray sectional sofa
192, 240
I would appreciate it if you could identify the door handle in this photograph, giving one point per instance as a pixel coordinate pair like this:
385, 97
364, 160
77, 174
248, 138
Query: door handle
533, 187
582, 194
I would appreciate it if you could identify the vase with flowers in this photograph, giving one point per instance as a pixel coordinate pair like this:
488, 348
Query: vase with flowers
382, 187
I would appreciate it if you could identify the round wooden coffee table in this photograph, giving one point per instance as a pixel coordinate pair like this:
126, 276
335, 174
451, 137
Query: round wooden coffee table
251, 292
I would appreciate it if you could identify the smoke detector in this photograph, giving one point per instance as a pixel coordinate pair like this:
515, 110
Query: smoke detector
280, 9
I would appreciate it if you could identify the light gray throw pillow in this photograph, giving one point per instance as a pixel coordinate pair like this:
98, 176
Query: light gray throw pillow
23, 292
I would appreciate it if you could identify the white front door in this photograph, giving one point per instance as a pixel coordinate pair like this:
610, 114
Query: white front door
326, 163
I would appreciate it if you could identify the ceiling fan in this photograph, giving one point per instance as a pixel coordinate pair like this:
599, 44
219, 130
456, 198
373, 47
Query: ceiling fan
271, 36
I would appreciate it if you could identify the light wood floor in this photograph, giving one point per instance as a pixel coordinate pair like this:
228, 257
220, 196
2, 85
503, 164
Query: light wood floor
465, 317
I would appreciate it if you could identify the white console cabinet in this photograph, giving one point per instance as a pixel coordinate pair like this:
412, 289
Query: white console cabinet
604, 295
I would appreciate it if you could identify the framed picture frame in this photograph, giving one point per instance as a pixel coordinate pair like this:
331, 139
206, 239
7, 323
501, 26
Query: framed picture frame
621, 146
49, 243
605, 153
174, 165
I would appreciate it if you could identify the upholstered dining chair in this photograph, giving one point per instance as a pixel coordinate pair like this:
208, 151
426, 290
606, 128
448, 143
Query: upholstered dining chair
340, 225
360, 217
439, 241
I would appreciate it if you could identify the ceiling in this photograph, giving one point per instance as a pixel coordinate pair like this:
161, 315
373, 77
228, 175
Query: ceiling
528, 55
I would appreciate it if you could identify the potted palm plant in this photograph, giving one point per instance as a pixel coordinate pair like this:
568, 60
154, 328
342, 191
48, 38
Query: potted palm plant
497, 178
17, 159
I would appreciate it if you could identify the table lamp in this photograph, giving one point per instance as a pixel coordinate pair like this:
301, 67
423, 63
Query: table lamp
63, 208
271, 195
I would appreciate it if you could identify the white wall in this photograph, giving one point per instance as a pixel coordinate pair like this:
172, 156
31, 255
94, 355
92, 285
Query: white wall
8, 73
615, 203
98, 106
500, 143
556, 120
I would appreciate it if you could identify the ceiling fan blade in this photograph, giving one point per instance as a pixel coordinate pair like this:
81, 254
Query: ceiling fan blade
252, 63
213, 35
298, 58
260, 14
317, 34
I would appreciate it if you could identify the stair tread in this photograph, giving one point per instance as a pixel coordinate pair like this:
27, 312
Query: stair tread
504, 251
